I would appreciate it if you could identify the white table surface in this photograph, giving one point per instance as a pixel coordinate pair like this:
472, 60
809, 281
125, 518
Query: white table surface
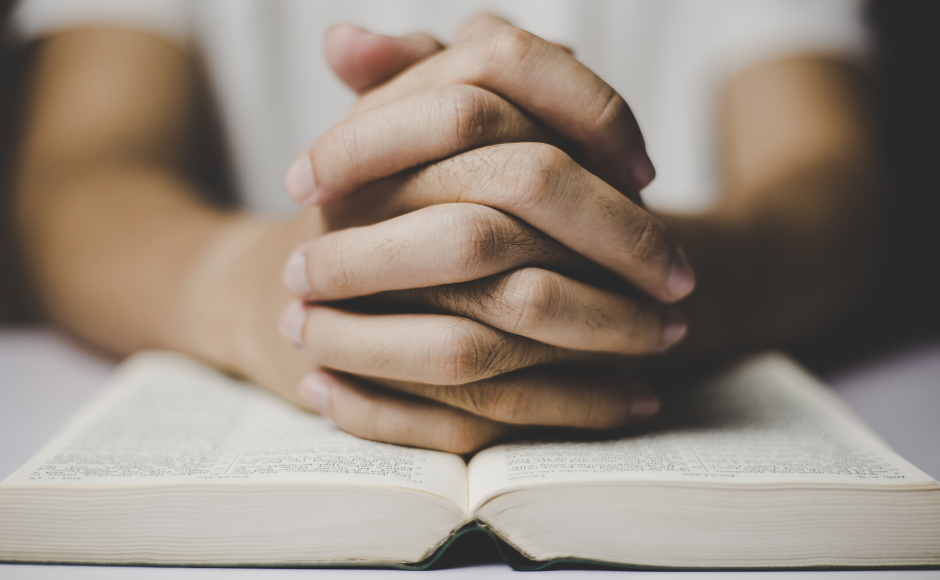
45, 377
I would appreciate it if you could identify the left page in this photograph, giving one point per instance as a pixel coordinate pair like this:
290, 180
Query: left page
167, 419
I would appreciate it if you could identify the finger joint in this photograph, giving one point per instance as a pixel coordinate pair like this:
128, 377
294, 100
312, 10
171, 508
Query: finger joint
509, 48
469, 118
531, 297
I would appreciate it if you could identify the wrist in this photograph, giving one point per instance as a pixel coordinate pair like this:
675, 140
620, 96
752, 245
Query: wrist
229, 310
210, 319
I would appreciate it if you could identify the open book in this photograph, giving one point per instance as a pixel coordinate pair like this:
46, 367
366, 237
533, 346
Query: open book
174, 463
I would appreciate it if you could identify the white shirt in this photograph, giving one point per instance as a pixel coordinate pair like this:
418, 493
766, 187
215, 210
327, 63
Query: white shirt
668, 58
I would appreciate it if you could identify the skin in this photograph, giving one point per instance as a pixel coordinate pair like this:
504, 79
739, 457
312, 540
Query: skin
441, 334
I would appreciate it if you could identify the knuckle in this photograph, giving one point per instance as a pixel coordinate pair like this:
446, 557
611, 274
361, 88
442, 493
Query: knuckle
467, 116
460, 355
610, 111
534, 173
508, 48
530, 296
505, 403
468, 352
476, 242
646, 243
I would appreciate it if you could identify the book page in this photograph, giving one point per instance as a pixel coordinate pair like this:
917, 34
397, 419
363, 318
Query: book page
165, 418
764, 422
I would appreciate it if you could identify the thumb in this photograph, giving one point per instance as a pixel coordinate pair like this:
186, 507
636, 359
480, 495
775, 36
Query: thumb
363, 59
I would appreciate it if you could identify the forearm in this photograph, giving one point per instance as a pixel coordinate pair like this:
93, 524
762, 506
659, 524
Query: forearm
786, 263
795, 242
129, 257
111, 249
119, 245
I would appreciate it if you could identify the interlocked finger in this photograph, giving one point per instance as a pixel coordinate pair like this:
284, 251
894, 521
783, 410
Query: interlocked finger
425, 348
549, 396
440, 244
383, 141
546, 82
544, 187
464, 418
552, 308
382, 415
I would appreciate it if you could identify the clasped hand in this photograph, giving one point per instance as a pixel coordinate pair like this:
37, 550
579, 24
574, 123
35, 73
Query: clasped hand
488, 261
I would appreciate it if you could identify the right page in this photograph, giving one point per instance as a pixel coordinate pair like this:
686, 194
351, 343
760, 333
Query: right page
765, 421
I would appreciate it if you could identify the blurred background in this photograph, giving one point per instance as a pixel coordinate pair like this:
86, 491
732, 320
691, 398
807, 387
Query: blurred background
905, 308
905, 65
13, 307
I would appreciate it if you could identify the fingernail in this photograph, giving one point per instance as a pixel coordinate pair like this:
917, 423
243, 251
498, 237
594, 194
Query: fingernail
346, 26
291, 322
681, 279
315, 390
644, 404
295, 274
641, 170
299, 181
353, 29
674, 328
